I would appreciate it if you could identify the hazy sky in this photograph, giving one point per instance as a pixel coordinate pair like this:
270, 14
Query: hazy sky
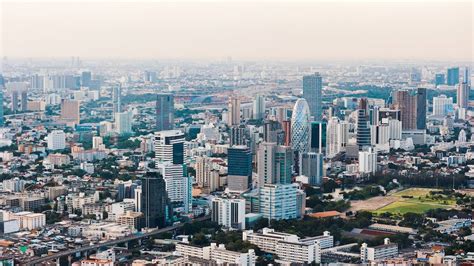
244, 30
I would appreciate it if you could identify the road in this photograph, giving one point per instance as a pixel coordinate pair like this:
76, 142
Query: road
36, 260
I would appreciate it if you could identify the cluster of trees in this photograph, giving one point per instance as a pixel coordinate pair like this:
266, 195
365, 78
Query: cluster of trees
364, 193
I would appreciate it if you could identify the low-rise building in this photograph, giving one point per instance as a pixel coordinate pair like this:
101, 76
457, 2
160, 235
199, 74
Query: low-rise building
377, 253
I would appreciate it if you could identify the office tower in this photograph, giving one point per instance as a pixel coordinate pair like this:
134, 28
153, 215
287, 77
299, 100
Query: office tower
259, 107
280, 114
333, 138
394, 127
239, 135
86, 78
300, 127
70, 111
154, 201
234, 111
367, 161
343, 134
380, 136
37, 82
274, 163
452, 76
363, 129
116, 100
279, 201
57, 140
421, 108
175, 182
149, 76
318, 139
312, 167
239, 168
467, 76
406, 103
123, 123
439, 79
374, 114
2, 119
229, 212
164, 112
312, 93
463, 91
169, 146
389, 113
14, 101
207, 177
415, 75
286, 125
272, 132
443, 106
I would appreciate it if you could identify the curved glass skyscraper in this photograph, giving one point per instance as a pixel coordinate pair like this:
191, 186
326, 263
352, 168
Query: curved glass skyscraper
300, 127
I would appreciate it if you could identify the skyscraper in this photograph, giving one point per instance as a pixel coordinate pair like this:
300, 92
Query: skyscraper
274, 163
123, 123
239, 135
239, 168
70, 111
439, 79
164, 112
404, 101
234, 111
421, 108
442, 106
2, 121
318, 139
312, 167
300, 127
86, 78
453, 76
287, 129
333, 142
259, 107
154, 201
312, 92
24, 100
363, 129
467, 76
463, 92
169, 146
116, 100
272, 132
14, 101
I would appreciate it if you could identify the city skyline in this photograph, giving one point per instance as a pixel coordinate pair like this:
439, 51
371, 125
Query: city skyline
270, 31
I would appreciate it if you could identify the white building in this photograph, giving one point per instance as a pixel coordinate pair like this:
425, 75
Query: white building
123, 123
443, 106
217, 253
57, 140
229, 212
374, 254
367, 161
169, 146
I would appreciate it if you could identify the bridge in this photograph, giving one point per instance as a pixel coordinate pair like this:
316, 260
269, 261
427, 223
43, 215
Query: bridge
38, 260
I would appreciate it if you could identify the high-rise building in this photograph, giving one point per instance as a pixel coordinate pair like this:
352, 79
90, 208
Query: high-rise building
318, 136
234, 111
24, 100
57, 140
169, 146
274, 163
312, 167
259, 107
300, 127
286, 125
272, 132
443, 106
333, 138
229, 212
279, 201
70, 111
2, 119
239, 135
86, 78
404, 101
149, 76
363, 129
367, 161
154, 201
439, 79
467, 76
239, 168
176, 185
312, 93
421, 108
14, 101
462, 95
164, 112
116, 100
453, 76
123, 123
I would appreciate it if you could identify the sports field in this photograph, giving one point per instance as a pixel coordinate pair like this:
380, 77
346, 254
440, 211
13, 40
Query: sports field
417, 200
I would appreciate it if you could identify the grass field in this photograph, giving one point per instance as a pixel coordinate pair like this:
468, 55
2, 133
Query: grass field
420, 203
